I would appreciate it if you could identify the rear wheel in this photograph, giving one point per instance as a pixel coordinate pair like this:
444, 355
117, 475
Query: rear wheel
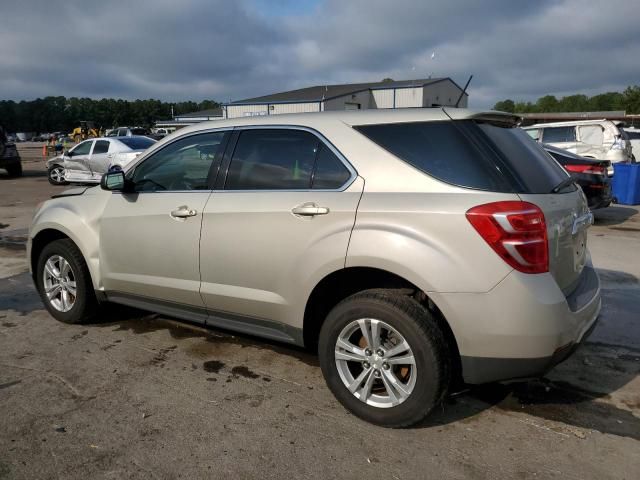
384, 358
64, 283
55, 175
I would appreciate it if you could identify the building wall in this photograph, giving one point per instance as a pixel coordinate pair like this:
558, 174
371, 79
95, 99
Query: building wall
278, 108
442, 93
382, 98
363, 99
235, 111
408, 97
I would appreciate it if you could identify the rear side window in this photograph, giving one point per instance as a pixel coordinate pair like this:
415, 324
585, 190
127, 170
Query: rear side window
137, 143
284, 159
558, 134
330, 173
101, 146
471, 154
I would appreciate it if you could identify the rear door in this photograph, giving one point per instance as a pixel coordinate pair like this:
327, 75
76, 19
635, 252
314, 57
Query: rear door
282, 217
100, 157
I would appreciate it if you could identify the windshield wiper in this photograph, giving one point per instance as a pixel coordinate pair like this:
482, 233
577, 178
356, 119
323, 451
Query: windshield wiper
565, 183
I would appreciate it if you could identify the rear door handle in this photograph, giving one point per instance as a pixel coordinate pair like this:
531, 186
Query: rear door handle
183, 212
309, 210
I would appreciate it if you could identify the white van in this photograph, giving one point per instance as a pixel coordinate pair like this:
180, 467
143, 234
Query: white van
601, 139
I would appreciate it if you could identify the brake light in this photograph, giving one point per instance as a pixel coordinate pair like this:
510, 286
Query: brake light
516, 231
593, 169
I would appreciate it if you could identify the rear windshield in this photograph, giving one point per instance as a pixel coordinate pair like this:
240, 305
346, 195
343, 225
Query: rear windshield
137, 143
471, 154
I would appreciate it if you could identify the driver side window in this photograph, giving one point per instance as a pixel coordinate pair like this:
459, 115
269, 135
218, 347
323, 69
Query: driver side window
182, 165
83, 148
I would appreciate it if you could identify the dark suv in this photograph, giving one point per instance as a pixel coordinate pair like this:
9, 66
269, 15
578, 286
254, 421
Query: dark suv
9, 157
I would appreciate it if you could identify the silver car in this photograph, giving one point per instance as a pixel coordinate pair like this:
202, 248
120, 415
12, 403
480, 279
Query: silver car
410, 248
89, 160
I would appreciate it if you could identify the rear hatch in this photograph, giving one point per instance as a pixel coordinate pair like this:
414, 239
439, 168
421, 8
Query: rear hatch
487, 151
536, 178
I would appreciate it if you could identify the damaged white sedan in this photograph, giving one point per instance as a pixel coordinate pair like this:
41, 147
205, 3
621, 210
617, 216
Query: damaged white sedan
89, 160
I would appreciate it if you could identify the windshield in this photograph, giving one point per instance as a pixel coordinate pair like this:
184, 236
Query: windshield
137, 143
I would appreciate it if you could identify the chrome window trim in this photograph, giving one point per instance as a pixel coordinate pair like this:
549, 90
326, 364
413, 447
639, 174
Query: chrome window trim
352, 171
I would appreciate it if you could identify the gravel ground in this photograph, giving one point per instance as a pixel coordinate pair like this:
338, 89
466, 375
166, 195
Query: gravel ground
144, 396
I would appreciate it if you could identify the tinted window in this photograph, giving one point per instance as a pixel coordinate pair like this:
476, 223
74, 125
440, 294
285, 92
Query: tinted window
533, 133
471, 154
82, 148
102, 146
524, 160
272, 159
181, 165
559, 134
137, 143
138, 131
634, 135
330, 172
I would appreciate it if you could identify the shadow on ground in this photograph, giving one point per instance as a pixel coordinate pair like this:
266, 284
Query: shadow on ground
615, 215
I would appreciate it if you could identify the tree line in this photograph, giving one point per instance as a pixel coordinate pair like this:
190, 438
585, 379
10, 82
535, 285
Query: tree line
629, 101
52, 114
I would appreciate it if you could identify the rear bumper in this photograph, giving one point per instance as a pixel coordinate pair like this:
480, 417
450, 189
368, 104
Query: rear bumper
522, 327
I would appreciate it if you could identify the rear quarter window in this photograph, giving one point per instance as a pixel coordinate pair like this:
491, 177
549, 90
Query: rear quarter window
558, 134
471, 154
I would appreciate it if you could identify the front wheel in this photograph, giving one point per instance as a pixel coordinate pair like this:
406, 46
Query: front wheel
55, 175
64, 283
384, 358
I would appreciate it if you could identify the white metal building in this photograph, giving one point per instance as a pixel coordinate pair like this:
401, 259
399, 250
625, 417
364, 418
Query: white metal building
431, 92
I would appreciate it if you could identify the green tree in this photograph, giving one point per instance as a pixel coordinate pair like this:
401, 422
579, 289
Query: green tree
631, 99
505, 106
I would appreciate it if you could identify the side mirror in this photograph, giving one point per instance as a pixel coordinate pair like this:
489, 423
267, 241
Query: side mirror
69, 153
113, 181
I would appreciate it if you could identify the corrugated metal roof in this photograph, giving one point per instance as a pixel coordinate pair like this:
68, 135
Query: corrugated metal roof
325, 92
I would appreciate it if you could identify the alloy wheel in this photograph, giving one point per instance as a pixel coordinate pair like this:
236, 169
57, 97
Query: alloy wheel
59, 283
375, 363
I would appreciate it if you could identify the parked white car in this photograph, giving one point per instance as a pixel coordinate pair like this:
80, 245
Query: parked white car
89, 160
601, 139
633, 134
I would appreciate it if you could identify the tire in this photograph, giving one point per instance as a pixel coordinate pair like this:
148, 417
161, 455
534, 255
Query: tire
15, 170
428, 379
55, 175
84, 304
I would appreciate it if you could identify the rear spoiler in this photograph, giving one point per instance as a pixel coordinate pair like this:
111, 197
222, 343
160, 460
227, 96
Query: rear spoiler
501, 119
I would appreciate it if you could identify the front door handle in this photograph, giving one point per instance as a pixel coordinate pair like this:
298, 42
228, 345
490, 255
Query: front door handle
309, 210
183, 212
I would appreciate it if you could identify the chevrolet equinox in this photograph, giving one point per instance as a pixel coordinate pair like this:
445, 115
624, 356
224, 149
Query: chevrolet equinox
410, 248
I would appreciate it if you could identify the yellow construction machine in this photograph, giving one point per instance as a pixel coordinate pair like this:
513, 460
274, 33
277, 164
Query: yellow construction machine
84, 131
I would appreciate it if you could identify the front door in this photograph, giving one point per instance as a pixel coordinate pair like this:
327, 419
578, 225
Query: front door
149, 238
283, 216
76, 162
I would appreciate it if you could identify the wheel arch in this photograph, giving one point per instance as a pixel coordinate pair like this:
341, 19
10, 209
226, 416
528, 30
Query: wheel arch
340, 284
49, 233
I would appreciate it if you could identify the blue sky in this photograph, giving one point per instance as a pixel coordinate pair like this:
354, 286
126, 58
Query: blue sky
230, 50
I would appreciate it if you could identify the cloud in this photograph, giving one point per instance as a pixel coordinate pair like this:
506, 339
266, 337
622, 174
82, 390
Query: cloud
194, 49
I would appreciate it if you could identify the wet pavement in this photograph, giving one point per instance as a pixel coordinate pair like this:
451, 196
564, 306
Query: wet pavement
138, 395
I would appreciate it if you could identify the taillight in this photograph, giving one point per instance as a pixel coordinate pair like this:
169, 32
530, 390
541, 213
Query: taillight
516, 231
594, 169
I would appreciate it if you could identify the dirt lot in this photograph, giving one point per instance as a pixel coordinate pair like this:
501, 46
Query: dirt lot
143, 396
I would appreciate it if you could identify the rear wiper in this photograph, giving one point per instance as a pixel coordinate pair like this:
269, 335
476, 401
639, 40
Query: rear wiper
565, 183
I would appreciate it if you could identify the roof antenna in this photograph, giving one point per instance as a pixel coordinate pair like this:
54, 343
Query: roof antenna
464, 90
